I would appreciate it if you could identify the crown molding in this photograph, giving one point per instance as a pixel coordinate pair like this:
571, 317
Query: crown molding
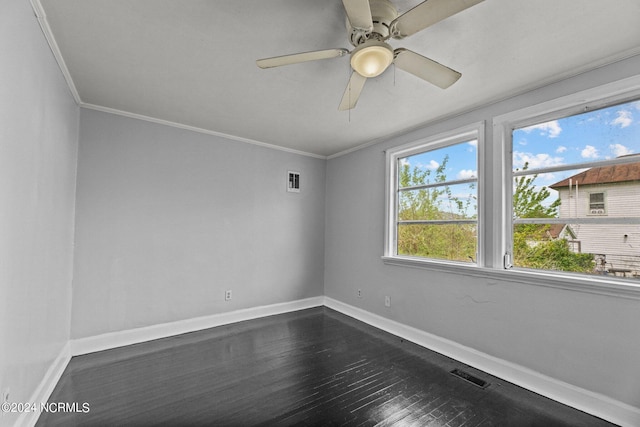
197, 129
55, 49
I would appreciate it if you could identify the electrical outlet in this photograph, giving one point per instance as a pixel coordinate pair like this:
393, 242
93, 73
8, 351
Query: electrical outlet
227, 295
359, 293
387, 301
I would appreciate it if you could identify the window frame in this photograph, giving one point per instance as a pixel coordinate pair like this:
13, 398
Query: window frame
475, 131
590, 204
494, 201
619, 92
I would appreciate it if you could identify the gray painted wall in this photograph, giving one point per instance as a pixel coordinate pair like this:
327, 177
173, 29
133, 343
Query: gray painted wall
583, 339
168, 219
38, 148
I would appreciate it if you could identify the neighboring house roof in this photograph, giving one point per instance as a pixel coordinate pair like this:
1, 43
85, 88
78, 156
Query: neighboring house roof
554, 232
560, 230
604, 175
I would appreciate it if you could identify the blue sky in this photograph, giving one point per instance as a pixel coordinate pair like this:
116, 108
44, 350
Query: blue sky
593, 136
462, 160
597, 135
461, 164
588, 137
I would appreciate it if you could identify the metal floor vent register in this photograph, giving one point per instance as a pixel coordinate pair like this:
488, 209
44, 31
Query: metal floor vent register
470, 378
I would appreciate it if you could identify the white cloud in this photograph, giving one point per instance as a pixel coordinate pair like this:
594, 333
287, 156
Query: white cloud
561, 149
535, 161
620, 150
547, 178
431, 165
624, 119
467, 173
473, 143
590, 152
550, 129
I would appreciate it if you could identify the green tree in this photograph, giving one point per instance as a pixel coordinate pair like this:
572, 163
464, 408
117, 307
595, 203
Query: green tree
550, 255
532, 245
528, 202
443, 241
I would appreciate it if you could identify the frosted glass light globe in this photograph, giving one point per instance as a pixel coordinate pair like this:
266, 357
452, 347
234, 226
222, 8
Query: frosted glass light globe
371, 58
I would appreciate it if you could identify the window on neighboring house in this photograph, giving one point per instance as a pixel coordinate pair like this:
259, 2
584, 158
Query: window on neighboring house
582, 171
433, 198
596, 204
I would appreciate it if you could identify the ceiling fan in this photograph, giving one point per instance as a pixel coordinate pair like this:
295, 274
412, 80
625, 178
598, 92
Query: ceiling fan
370, 23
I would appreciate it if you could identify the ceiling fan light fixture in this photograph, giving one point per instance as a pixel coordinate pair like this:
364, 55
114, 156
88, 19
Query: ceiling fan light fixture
371, 58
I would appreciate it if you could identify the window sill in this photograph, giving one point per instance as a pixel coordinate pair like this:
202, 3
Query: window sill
620, 288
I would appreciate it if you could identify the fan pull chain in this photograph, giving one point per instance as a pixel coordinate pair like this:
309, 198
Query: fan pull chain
349, 86
394, 74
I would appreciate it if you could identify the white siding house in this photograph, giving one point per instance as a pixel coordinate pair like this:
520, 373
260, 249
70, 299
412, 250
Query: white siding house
605, 192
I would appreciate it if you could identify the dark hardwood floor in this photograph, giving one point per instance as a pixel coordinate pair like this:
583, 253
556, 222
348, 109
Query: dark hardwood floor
313, 367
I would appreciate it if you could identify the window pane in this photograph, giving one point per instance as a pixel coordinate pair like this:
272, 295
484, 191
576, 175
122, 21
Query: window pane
597, 135
596, 203
449, 202
438, 185
533, 199
604, 249
560, 195
601, 203
450, 163
453, 242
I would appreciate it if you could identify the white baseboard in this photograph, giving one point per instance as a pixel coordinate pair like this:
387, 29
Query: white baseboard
134, 336
587, 401
46, 386
593, 403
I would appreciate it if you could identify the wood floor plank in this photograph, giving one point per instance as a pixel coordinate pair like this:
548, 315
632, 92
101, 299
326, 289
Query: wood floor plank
314, 367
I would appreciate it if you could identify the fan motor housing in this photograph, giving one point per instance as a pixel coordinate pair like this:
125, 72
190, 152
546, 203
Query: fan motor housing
383, 13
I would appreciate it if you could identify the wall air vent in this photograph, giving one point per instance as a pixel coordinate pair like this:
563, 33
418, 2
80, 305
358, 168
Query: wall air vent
293, 182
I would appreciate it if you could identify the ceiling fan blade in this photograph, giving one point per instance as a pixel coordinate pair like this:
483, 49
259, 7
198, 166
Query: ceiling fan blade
297, 58
352, 92
425, 68
359, 14
426, 14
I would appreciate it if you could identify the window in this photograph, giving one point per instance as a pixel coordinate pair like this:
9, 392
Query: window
596, 204
576, 192
433, 198
553, 201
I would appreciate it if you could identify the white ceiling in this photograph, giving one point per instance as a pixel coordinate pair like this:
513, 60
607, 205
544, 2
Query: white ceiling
192, 62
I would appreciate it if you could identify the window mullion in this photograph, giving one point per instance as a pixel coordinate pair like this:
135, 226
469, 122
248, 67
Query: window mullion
438, 184
438, 221
579, 220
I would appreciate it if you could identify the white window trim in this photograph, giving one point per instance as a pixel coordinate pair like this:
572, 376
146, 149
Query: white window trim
604, 203
499, 166
465, 133
592, 99
568, 281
